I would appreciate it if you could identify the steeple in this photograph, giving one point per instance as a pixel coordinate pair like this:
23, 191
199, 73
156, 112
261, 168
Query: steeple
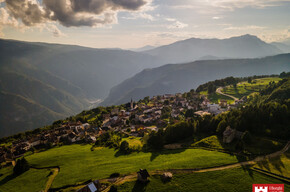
131, 104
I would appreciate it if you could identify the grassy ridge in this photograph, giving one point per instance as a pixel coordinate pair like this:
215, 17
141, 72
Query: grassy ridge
245, 88
78, 163
229, 180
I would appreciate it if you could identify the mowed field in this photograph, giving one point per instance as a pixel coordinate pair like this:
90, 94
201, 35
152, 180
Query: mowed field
229, 180
245, 88
78, 163
216, 97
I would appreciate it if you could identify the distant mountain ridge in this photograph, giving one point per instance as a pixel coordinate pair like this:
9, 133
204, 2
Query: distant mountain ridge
41, 82
174, 78
246, 46
60, 80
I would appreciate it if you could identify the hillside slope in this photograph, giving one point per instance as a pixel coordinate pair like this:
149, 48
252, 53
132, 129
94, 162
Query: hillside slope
49, 81
183, 77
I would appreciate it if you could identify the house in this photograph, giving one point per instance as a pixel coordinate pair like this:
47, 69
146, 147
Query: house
230, 134
90, 139
86, 125
115, 111
142, 175
201, 113
35, 141
223, 103
152, 128
106, 116
91, 187
122, 113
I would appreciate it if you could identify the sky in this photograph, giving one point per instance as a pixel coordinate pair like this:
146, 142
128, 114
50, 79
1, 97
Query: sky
136, 23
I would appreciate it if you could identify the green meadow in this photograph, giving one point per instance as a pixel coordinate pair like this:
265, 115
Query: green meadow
229, 180
245, 88
78, 163
32, 180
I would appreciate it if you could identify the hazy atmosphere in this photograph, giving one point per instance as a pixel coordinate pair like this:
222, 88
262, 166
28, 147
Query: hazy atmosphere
144, 95
136, 23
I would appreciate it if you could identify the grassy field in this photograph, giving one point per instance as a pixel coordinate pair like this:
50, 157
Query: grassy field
215, 97
258, 146
278, 165
33, 180
133, 141
209, 142
238, 180
245, 88
78, 163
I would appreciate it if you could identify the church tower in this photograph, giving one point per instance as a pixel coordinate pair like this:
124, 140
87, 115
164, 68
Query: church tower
131, 104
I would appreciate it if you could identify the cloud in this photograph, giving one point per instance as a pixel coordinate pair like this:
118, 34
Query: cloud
54, 30
140, 15
71, 12
217, 6
216, 18
175, 24
248, 27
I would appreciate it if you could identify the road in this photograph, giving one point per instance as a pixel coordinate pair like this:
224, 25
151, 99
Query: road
121, 180
220, 92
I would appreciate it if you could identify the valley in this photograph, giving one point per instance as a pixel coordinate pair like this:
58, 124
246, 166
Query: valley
97, 154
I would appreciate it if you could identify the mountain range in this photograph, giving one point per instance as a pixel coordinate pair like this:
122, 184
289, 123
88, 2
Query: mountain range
246, 46
41, 82
174, 78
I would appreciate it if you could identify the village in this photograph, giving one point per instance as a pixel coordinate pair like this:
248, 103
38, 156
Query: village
137, 120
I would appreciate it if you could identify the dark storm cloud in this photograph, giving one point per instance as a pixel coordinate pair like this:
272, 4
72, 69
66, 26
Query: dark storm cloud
71, 12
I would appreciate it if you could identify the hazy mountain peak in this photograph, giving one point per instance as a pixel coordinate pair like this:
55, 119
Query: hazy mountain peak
245, 46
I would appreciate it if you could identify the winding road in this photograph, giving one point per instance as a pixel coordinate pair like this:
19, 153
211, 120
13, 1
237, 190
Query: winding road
220, 92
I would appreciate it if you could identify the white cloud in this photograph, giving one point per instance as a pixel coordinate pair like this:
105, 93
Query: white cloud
217, 6
140, 15
54, 30
177, 25
247, 27
216, 18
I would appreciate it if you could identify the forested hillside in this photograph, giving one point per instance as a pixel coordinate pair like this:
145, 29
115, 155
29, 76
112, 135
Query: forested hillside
182, 77
40, 83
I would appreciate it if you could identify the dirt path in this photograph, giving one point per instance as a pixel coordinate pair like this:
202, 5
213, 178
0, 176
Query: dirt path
220, 92
51, 178
120, 180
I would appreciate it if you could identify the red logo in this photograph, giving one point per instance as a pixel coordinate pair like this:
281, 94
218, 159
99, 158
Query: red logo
268, 187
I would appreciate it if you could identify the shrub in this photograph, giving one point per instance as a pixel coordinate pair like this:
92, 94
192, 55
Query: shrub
21, 166
113, 188
124, 147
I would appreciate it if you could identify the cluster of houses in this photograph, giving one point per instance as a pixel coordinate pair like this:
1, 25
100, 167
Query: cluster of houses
69, 132
140, 118
208, 108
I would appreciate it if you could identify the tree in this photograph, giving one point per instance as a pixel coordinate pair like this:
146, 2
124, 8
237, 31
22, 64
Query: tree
166, 102
113, 188
221, 127
246, 137
156, 140
249, 80
21, 166
124, 147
